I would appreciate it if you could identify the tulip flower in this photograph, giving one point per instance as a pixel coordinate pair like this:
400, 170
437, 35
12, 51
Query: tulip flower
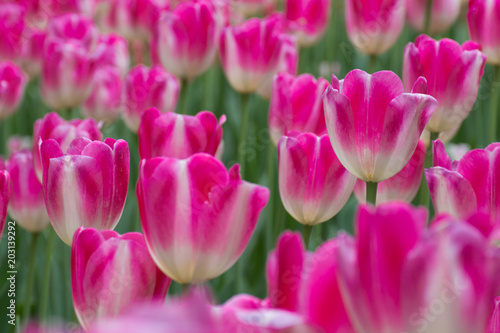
179, 136
296, 105
320, 299
12, 84
494, 324
4, 198
33, 52
402, 186
86, 186
370, 267
74, 28
251, 52
112, 50
373, 26
52, 126
18, 142
307, 19
188, 37
449, 281
197, 217
444, 14
26, 205
484, 21
146, 88
12, 30
374, 127
111, 272
462, 188
313, 183
453, 73
105, 100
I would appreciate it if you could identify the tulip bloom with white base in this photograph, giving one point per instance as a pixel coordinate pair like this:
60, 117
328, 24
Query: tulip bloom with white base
12, 84
86, 186
374, 126
313, 184
307, 19
112, 272
196, 215
484, 24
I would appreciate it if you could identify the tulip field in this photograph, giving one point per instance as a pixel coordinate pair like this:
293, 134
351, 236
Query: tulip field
250, 166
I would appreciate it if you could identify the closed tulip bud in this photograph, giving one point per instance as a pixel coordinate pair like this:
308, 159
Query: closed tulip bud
313, 184
307, 19
444, 14
484, 22
296, 105
112, 272
112, 50
453, 73
86, 186
52, 126
197, 217
251, 52
373, 26
12, 84
4, 198
374, 126
188, 37
180, 136
472, 184
370, 267
12, 30
33, 52
402, 186
148, 88
106, 98
26, 205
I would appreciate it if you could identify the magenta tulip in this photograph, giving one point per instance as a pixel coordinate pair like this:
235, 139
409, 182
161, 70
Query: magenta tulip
112, 50
112, 272
307, 19
370, 267
453, 73
373, 26
374, 126
33, 52
484, 22
197, 217
146, 88
444, 14
26, 205
402, 186
4, 198
179, 136
313, 183
86, 186
296, 105
106, 98
12, 84
472, 184
188, 37
52, 126
74, 28
12, 30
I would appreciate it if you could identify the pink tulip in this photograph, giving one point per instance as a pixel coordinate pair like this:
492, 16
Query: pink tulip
12, 84
320, 298
75, 28
296, 105
4, 198
86, 186
105, 100
251, 52
188, 38
307, 19
444, 14
449, 281
370, 267
112, 272
402, 186
18, 142
112, 50
26, 205
12, 30
374, 126
52, 126
494, 324
197, 217
472, 184
40, 11
146, 88
453, 73
373, 26
284, 271
179, 136
313, 184
33, 52
484, 22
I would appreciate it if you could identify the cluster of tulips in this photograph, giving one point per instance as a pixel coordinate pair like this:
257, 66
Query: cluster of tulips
97, 63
